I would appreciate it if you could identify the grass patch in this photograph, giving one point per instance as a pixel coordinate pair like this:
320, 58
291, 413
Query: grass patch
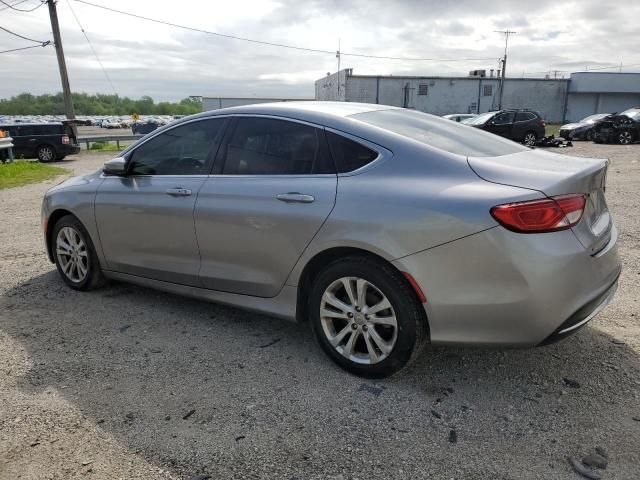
105, 147
553, 129
21, 173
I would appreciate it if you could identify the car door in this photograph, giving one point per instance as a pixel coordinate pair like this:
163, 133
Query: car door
501, 124
145, 218
274, 184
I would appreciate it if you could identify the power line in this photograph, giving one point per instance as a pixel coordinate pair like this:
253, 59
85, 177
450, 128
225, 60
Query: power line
13, 7
21, 36
272, 44
91, 46
25, 48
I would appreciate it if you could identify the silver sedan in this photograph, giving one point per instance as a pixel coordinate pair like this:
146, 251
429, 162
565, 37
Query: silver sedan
383, 228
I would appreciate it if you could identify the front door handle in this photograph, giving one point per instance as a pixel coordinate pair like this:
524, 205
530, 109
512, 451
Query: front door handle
295, 197
179, 192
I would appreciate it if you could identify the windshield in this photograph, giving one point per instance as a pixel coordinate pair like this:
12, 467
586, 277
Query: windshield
632, 113
441, 133
480, 119
593, 118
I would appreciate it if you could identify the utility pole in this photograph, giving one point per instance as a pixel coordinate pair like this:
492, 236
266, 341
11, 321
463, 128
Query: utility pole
504, 63
338, 57
62, 65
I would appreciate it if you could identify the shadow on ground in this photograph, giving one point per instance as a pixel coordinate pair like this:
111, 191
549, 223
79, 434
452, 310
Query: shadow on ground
201, 388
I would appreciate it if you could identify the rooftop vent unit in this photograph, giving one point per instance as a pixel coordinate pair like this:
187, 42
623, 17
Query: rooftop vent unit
478, 73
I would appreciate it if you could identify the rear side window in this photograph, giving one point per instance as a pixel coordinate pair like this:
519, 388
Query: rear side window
349, 155
266, 146
525, 116
503, 118
441, 133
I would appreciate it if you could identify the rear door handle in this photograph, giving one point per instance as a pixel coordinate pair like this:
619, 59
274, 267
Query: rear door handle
179, 192
295, 197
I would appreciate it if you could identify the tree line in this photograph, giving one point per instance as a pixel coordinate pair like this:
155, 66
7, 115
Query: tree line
100, 104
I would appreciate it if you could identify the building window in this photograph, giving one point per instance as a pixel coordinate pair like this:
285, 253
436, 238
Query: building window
423, 89
488, 90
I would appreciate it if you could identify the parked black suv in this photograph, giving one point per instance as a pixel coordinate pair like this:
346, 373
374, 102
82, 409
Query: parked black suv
524, 126
45, 141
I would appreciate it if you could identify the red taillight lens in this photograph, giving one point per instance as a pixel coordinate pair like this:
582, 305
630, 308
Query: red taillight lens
538, 216
542, 123
65, 139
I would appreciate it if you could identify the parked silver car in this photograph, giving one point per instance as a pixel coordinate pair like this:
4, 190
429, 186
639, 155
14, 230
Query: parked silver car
384, 228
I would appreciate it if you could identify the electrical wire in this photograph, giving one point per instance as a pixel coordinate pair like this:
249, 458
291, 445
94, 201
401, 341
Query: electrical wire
273, 44
44, 44
91, 46
13, 7
21, 36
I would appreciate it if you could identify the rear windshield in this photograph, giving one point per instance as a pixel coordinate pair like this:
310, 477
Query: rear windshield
441, 133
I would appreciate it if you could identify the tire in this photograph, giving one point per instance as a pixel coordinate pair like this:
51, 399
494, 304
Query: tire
530, 138
625, 137
394, 345
46, 153
70, 232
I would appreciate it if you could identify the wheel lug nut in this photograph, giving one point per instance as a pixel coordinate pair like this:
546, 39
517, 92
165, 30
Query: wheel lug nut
354, 326
358, 309
350, 315
365, 328
367, 317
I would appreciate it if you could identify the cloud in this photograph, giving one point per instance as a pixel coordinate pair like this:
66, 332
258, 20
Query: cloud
167, 63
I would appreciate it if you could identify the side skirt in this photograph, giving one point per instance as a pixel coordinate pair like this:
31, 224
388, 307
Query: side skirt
282, 305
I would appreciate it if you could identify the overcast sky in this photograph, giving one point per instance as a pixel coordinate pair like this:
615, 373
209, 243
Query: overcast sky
143, 58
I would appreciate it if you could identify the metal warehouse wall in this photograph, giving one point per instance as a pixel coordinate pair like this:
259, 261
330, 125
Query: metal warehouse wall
443, 95
215, 103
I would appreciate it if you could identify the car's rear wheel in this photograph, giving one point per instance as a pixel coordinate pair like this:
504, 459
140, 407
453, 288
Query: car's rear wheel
625, 138
530, 139
75, 255
366, 317
46, 153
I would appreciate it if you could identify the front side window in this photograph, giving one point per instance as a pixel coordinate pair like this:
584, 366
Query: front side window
183, 150
503, 118
266, 146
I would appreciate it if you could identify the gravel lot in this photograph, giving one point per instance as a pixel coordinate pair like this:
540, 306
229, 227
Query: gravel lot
127, 382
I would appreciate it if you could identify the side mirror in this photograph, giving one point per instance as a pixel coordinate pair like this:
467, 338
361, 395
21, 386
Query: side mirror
115, 166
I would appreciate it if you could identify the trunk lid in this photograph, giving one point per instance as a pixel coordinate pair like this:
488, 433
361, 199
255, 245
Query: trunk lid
552, 174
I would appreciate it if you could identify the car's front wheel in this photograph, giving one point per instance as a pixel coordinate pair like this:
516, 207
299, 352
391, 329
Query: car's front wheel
625, 138
74, 255
366, 317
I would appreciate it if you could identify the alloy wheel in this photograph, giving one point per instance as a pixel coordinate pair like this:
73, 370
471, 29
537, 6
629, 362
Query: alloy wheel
45, 154
530, 139
624, 138
358, 320
72, 254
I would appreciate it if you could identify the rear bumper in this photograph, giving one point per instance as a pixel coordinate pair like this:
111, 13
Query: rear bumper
499, 288
583, 315
68, 149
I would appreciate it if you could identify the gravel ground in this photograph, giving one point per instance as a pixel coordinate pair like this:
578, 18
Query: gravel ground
126, 382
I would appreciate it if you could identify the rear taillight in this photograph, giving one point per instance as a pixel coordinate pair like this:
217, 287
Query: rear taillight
542, 123
538, 216
65, 139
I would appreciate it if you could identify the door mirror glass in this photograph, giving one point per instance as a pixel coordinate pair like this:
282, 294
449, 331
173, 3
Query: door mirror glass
115, 166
